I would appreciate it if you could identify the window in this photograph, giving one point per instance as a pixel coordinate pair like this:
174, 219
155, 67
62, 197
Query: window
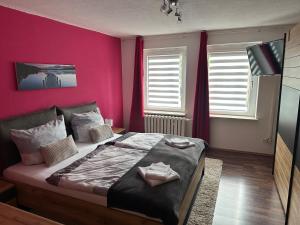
232, 88
165, 79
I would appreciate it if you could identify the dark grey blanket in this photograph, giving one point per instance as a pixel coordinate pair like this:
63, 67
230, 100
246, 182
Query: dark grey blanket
132, 193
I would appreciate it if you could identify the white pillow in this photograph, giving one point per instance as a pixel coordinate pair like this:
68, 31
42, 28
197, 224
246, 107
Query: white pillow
100, 133
83, 122
29, 141
83, 132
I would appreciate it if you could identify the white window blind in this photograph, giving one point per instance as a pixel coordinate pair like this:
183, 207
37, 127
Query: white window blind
232, 90
164, 80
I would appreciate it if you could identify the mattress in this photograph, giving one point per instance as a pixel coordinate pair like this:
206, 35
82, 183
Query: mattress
36, 175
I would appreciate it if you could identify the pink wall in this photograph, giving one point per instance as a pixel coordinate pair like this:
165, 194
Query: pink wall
97, 57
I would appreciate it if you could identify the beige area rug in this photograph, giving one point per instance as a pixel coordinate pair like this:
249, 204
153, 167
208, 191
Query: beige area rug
204, 206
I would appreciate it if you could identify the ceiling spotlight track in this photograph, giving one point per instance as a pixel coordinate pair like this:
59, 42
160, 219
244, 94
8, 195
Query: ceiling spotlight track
168, 6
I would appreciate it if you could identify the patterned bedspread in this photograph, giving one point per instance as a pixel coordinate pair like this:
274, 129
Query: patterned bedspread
99, 170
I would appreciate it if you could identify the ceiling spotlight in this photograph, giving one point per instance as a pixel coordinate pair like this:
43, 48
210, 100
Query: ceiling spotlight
169, 11
179, 19
173, 2
165, 7
177, 13
168, 6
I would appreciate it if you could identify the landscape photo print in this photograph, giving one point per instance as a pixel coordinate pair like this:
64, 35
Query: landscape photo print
31, 76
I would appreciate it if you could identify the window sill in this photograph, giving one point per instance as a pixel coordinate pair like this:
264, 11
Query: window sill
233, 117
165, 113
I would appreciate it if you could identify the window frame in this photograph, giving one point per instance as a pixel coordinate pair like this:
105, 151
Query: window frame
253, 82
182, 50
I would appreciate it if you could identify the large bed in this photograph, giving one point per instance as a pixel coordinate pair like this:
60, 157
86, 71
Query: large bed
79, 207
36, 175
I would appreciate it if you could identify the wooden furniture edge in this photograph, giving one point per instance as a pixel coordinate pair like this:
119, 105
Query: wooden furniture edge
7, 192
69, 210
294, 215
282, 170
5, 185
193, 187
13, 215
118, 130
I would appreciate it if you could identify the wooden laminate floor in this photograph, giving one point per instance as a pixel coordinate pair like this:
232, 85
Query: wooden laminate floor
247, 193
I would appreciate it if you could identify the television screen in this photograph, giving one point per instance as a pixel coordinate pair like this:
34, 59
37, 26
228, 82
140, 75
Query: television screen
266, 58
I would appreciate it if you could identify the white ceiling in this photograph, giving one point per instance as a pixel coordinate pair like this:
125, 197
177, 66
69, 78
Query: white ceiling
142, 17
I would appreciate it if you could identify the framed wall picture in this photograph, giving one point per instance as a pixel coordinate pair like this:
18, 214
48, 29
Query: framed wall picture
31, 76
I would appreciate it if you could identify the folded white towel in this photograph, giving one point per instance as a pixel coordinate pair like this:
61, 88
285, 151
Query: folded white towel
181, 146
154, 178
174, 140
179, 142
160, 166
156, 175
158, 171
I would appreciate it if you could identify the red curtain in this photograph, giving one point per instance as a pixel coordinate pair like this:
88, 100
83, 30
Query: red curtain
201, 105
137, 106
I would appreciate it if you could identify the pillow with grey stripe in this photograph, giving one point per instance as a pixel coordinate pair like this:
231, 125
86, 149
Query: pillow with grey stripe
101, 133
59, 151
68, 111
82, 122
29, 141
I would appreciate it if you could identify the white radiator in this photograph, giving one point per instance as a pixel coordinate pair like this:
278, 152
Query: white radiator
165, 124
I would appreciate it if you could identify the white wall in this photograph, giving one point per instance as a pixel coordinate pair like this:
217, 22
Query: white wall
235, 134
192, 41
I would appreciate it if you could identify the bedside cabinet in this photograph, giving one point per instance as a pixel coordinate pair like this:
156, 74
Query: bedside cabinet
118, 130
7, 193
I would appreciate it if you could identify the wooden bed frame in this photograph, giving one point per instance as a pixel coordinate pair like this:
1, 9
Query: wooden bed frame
69, 210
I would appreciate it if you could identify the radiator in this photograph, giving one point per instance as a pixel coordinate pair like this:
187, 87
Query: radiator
165, 124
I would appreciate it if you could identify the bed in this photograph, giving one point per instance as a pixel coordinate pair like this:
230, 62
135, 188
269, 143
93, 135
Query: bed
77, 207
36, 175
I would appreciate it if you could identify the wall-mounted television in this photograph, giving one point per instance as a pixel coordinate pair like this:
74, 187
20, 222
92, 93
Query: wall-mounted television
266, 58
